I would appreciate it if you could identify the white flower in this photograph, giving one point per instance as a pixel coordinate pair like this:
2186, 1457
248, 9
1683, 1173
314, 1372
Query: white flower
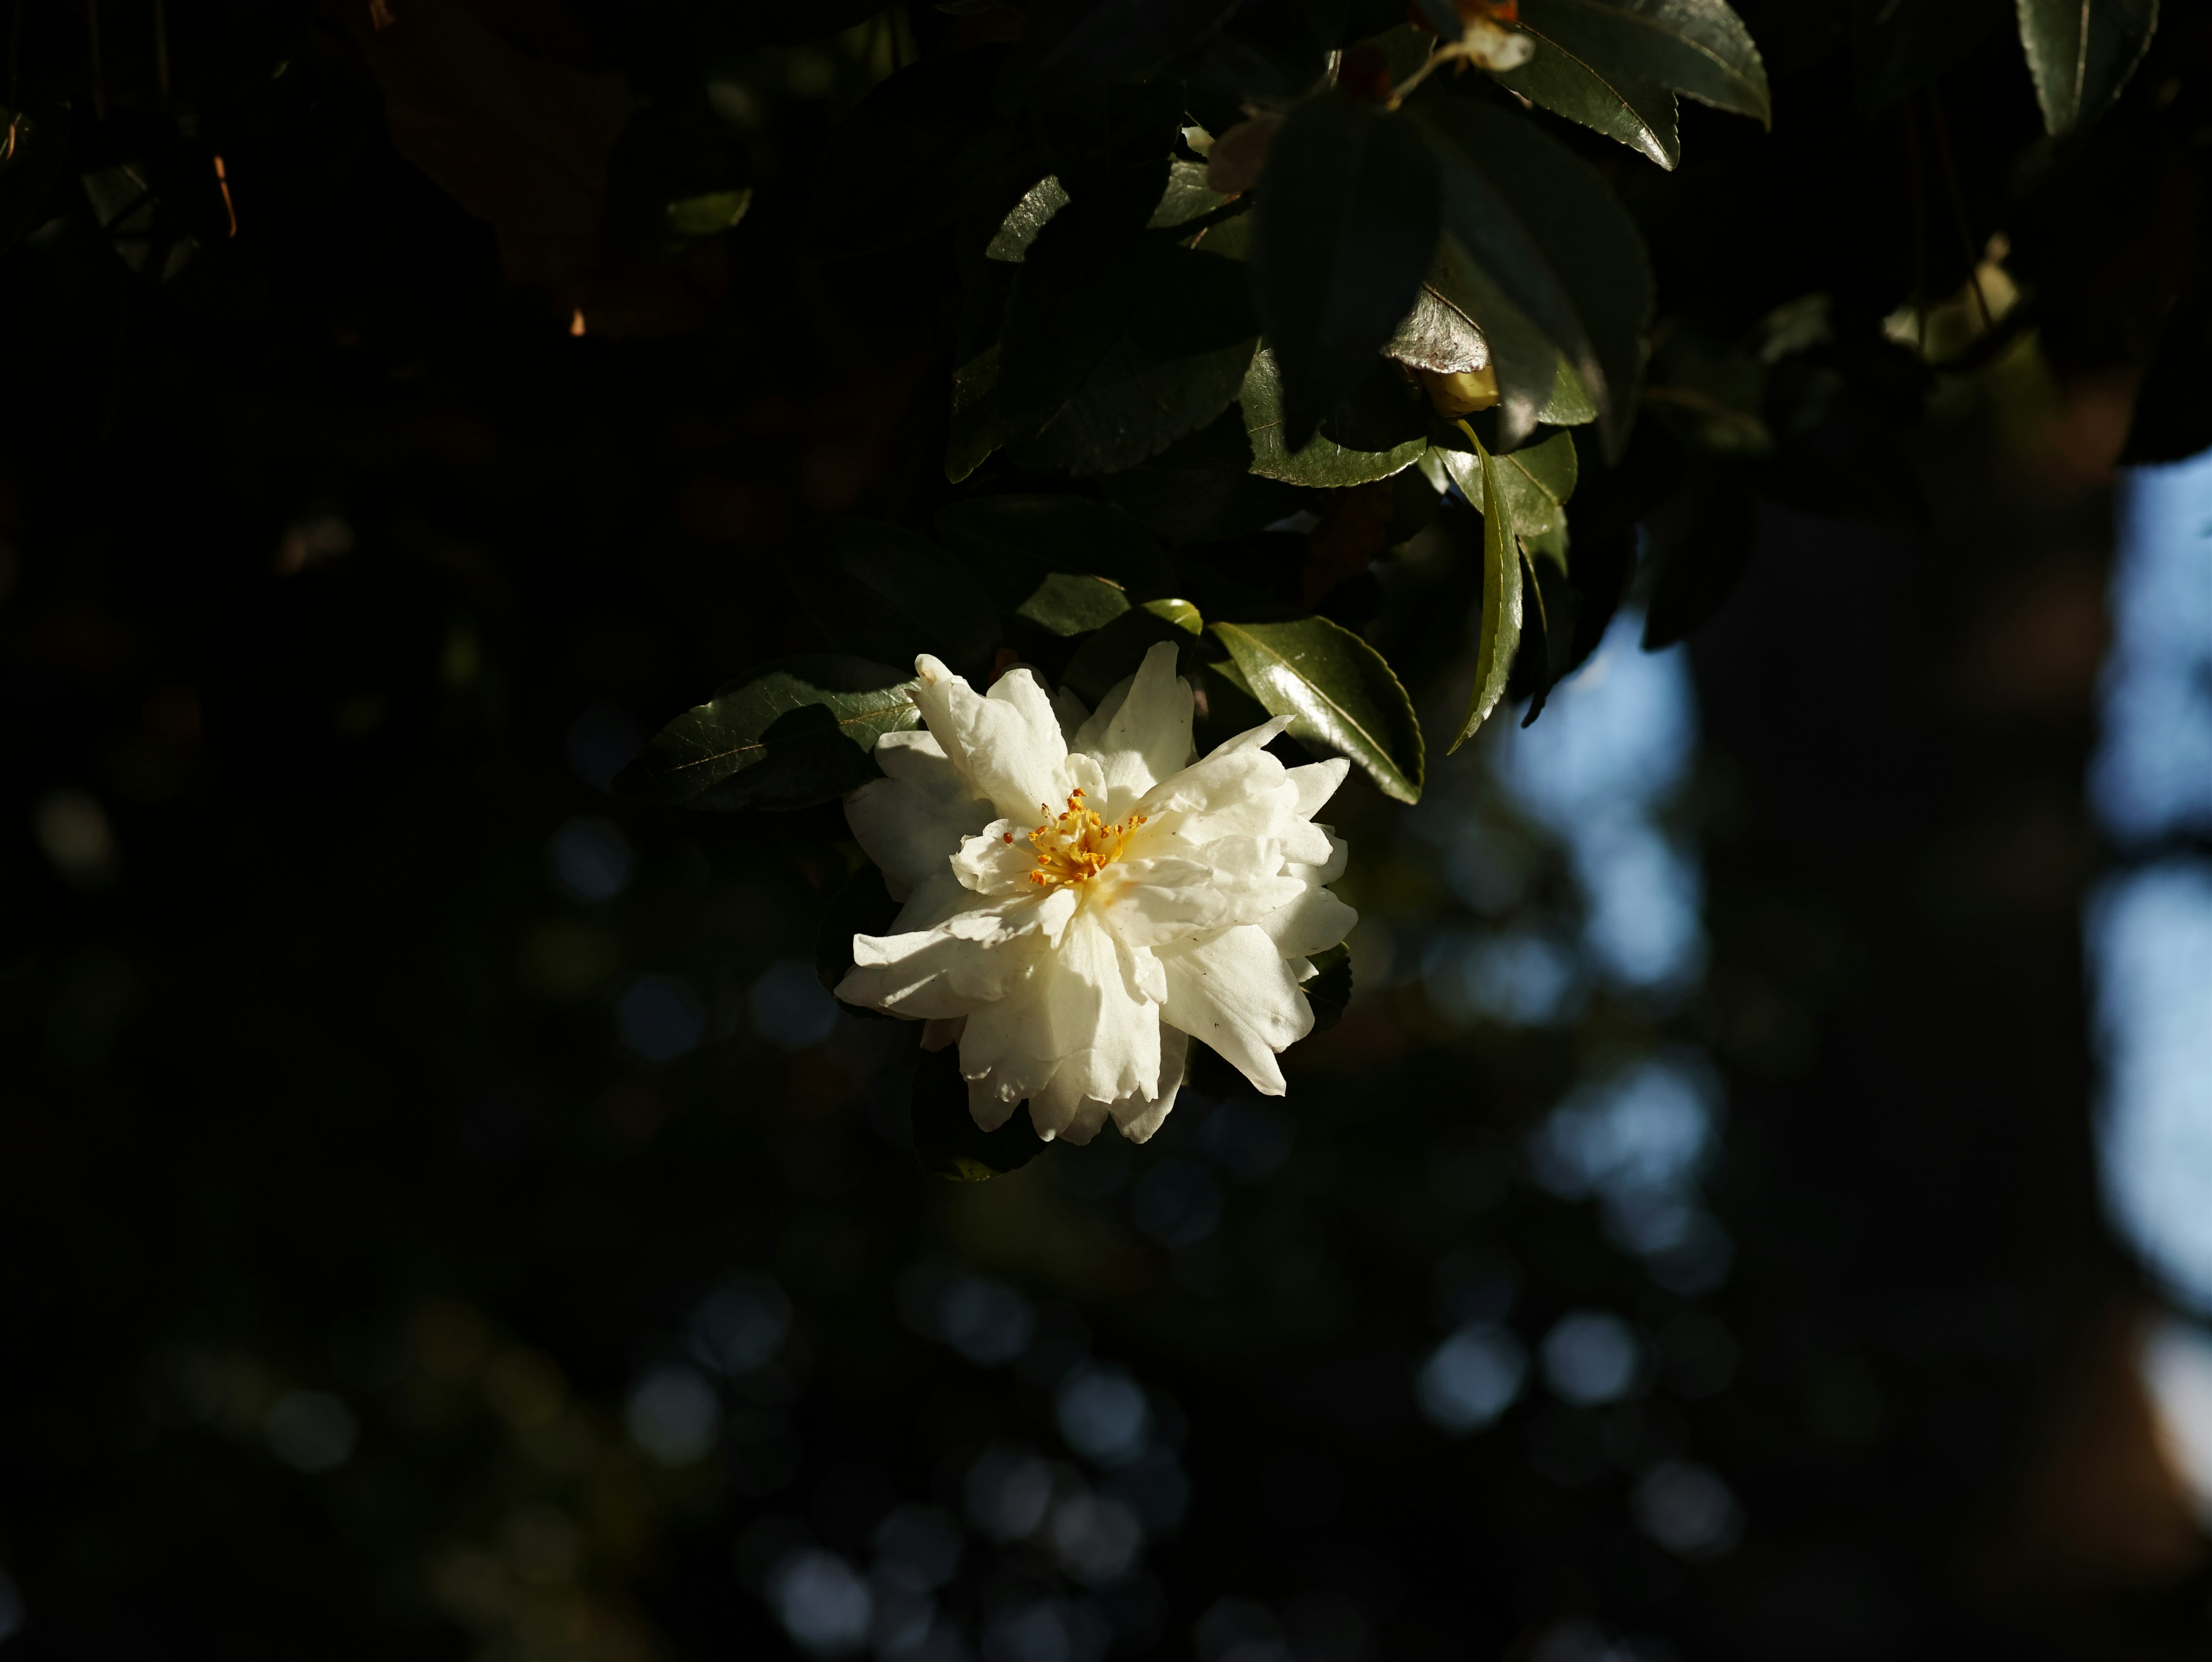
1081, 898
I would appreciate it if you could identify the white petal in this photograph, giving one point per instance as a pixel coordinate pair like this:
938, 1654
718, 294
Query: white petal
963, 964
997, 860
1340, 855
911, 821
1235, 993
1072, 1012
1140, 1118
1007, 744
1317, 781
1141, 732
1251, 738
1313, 923
1147, 902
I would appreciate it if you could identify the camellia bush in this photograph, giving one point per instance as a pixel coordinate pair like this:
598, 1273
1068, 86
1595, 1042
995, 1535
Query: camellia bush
1241, 298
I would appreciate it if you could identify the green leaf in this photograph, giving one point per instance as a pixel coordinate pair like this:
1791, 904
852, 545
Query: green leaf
35, 143
1499, 634
1330, 990
1057, 560
1323, 461
947, 1141
1699, 48
1637, 112
976, 428
1339, 692
709, 214
1345, 225
1030, 215
787, 734
1535, 481
1536, 382
1116, 650
1538, 222
1156, 353
889, 595
861, 906
2080, 53
1203, 488
1187, 196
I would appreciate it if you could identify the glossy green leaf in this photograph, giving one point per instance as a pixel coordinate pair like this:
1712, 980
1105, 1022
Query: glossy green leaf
1536, 382
1537, 222
1699, 48
1116, 650
889, 595
947, 1142
1187, 196
1640, 112
1499, 632
1322, 461
1345, 225
1030, 215
862, 906
1535, 481
1338, 690
786, 735
35, 143
2082, 52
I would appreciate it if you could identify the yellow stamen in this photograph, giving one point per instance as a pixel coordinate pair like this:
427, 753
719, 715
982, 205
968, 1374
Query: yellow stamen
1076, 845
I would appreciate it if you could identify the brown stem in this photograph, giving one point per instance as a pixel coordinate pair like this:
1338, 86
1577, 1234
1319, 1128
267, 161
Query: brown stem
1958, 206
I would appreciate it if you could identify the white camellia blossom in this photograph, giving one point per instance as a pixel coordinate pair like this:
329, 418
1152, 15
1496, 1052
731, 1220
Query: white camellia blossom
1081, 898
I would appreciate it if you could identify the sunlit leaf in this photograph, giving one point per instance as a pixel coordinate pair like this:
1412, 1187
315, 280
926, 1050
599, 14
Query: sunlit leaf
1323, 460
1498, 633
1626, 53
2082, 53
1338, 690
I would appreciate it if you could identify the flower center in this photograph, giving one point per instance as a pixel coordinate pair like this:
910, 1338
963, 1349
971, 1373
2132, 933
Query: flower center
1076, 845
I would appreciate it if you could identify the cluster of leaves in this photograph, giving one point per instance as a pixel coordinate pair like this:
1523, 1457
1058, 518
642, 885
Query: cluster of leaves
1243, 296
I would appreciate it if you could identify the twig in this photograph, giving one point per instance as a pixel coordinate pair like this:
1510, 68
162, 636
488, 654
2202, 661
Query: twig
222, 184
1959, 207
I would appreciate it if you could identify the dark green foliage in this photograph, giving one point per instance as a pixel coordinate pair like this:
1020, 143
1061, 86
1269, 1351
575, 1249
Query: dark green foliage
947, 1142
890, 595
1549, 234
1346, 225
786, 735
923, 147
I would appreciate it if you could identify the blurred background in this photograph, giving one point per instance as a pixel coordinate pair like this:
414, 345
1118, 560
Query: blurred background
1758, 1204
